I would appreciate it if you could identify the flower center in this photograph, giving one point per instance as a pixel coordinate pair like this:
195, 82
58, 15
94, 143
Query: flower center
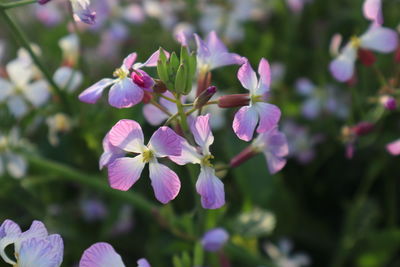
256, 98
355, 42
147, 155
206, 160
120, 73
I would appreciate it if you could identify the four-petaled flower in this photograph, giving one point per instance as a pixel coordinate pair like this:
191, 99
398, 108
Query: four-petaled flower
208, 185
257, 112
123, 172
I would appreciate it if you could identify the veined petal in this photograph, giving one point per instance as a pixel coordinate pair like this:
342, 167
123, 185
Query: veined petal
101, 255
247, 77
394, 148
264, 71
8, 227
274, 163
37, 252
165, 182
342, 68
154, 115
127, 135
165, 142
372, 10
37, 92
201, 131
124, 172
189, 155
17, 106
269, 116
380, 39
143, 263
125, 93
210, 188
94, 92
110, 152
6, 89
57, 246
245, 122
129, 60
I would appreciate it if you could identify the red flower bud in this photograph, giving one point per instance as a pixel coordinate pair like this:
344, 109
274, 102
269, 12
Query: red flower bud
236, 100
203, 98
366, 57
243, 156
147, 97
203, 82
363, 128
159, 87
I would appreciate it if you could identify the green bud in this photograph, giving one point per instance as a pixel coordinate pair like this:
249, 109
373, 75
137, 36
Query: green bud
180, 79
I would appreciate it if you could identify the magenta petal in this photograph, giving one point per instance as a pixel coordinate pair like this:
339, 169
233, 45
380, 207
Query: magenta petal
165, 142
247, 76
129, 60
201, 131
245, 122
210, 188
269, 116
154, 115
125, 93
165, 182
274, 163
124, 172
372, 10
394, 148
380, 39
127, 135
101, 255
94, 92
264, 71
152, 60
110, 152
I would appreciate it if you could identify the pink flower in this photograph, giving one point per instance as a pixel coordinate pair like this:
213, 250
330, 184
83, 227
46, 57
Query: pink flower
394, 147
274, 146
123, 172
257, 112
208, 185
214, 239
377, 38
126, 89
372, 10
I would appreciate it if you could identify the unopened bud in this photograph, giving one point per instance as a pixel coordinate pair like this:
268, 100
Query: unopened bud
203, 82
397, 55
389, 102
363, 128
42, 2
159, 87
366, 57
203, 98
243, 156
236, 100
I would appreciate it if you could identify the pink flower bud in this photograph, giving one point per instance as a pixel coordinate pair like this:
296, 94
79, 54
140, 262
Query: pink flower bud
366, 57
389, 102
243, 156
236, 100
203, 82
363, 128
203, 98
159, 87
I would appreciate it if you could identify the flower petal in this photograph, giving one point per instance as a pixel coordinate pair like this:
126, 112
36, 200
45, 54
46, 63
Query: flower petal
101, 255
66, 76
214, 239
247, 77
165, 142
245, 122
154, 115
94, 92
394, 148
37, 252
82, 12
20, 72
37, 92
129, 60
110, 152
210, 188
6, 89
372, 10
57, 245
201, 131
8, 227
264, 71
380, 39
342, 68
16, 165
143, 263
189, 155
127, 135
125, 93
269, 116
124, 172
214, 44
274, 163
165, 182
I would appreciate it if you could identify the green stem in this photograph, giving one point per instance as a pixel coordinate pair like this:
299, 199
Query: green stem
17, 4
167, 98
182, 115
22, 39
163, 109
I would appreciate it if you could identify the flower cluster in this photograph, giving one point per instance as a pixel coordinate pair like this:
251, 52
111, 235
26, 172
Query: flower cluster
190, 138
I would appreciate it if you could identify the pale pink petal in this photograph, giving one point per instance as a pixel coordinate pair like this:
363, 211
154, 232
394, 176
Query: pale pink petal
165, 142
124, 172
214, 44
245, 122
189, 155
277, 144
151, 61
269, 116
127, 135
94, 92
101, 255
165, 182
201, 131
394, 148
380, 39
247, 76
210, 188
129, 60
372, 10
274, 163
143, 263
154, 115
125, 93
264, 71
342, 68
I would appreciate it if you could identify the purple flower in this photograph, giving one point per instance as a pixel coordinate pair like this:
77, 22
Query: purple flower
212, 54
388, 102
102, 254
213, 240
82, 11
208, 185
126, 89
372, 10
377, 38
275, 148
110, 153
34, 247
257, 112
394, 147
123, 172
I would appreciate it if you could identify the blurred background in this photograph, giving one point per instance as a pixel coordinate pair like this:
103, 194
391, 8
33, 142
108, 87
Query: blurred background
329, 207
